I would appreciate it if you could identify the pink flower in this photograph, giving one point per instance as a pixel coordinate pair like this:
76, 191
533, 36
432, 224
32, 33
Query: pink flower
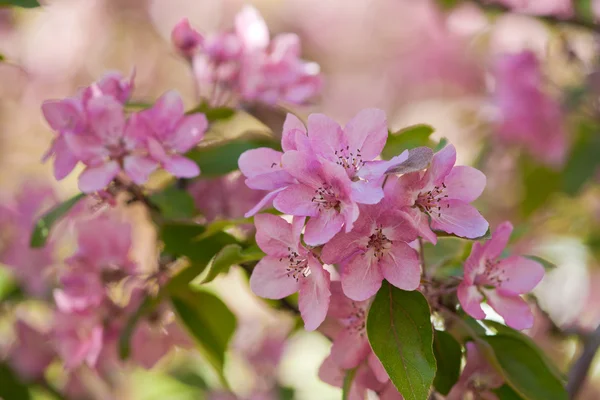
108, 146
442, 194
560, 8
185, 39
112, 84
32, 353
104, 244
365, 378
263, 167
170, 133
354, 148
499, 281
79, 338
477, 379
323, 193
81, 291
528, 115
289, 268
374, 250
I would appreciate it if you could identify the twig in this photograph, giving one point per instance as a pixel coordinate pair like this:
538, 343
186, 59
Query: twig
575, 20
580, 368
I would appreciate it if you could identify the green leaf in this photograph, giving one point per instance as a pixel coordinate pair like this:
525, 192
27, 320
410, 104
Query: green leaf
174, 203
441, 144
401, 335
286, 393
213, 114
505, 392
406, 139
487, 235
539, 184
222, 158
41, 231
2, 58
347, 386
179, 239
10, 385
448, 355
221, 225
20, 3
209, 321
584, 161
525, 370
548, 266
232, 254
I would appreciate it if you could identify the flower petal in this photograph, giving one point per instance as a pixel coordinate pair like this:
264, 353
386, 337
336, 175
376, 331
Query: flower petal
441, 165
462, 219
188, 132
314, 295
367, 192
274, 235
139, 168
464, 183
93, 179
63, 115
368, 132
297, 200
493, 248
64, 160
342, 246
515, 311
106, 118
323, 227
361, 277
264, 202
270, 279
401, 267
520, 274
349, 348
326, 136
470, 300
181, 167
251, 29
293, 130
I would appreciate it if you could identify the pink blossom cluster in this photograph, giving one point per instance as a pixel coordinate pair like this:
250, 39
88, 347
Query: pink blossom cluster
528, 115
93, 128
87, 319
244, 65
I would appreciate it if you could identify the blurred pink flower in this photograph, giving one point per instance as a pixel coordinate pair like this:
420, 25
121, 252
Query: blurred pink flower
289, 267
477, 378
18, 217
79, 338
499, 281
32, 353
245, 65
443, 194
527, 115
376, 249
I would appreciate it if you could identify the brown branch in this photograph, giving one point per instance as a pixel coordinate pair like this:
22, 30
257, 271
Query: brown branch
581, 366
575, 20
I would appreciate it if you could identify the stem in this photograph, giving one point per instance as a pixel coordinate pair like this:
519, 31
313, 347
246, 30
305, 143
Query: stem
422, 258
580, 368
575, 21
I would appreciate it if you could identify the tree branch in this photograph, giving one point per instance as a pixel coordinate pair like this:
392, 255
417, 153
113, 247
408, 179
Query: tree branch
575, 20
580, 368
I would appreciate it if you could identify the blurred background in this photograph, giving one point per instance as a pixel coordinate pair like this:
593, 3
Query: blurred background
514, 85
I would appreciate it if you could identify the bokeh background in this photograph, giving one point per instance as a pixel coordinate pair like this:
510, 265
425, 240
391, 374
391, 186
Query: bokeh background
422, 61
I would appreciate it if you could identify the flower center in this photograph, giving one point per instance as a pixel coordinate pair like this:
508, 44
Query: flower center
356, 320
326, 198
351, 160
429, 201
298, 266
492, 275
379, 243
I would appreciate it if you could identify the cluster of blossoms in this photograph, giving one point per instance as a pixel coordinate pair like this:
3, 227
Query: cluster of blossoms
349, 208
94, 129
244, 65
88, 316
527, 115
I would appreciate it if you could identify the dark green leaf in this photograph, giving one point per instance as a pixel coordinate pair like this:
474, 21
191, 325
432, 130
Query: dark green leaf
401, 335
448, 355
221, 225
505, 392
286, 393
222, 158
208, 320
584, 161
548, 266
174, 203
2, 58
347, 387
20, 3
441, 144
406, 139
229, 255
41, 231
525, 370
10, 385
